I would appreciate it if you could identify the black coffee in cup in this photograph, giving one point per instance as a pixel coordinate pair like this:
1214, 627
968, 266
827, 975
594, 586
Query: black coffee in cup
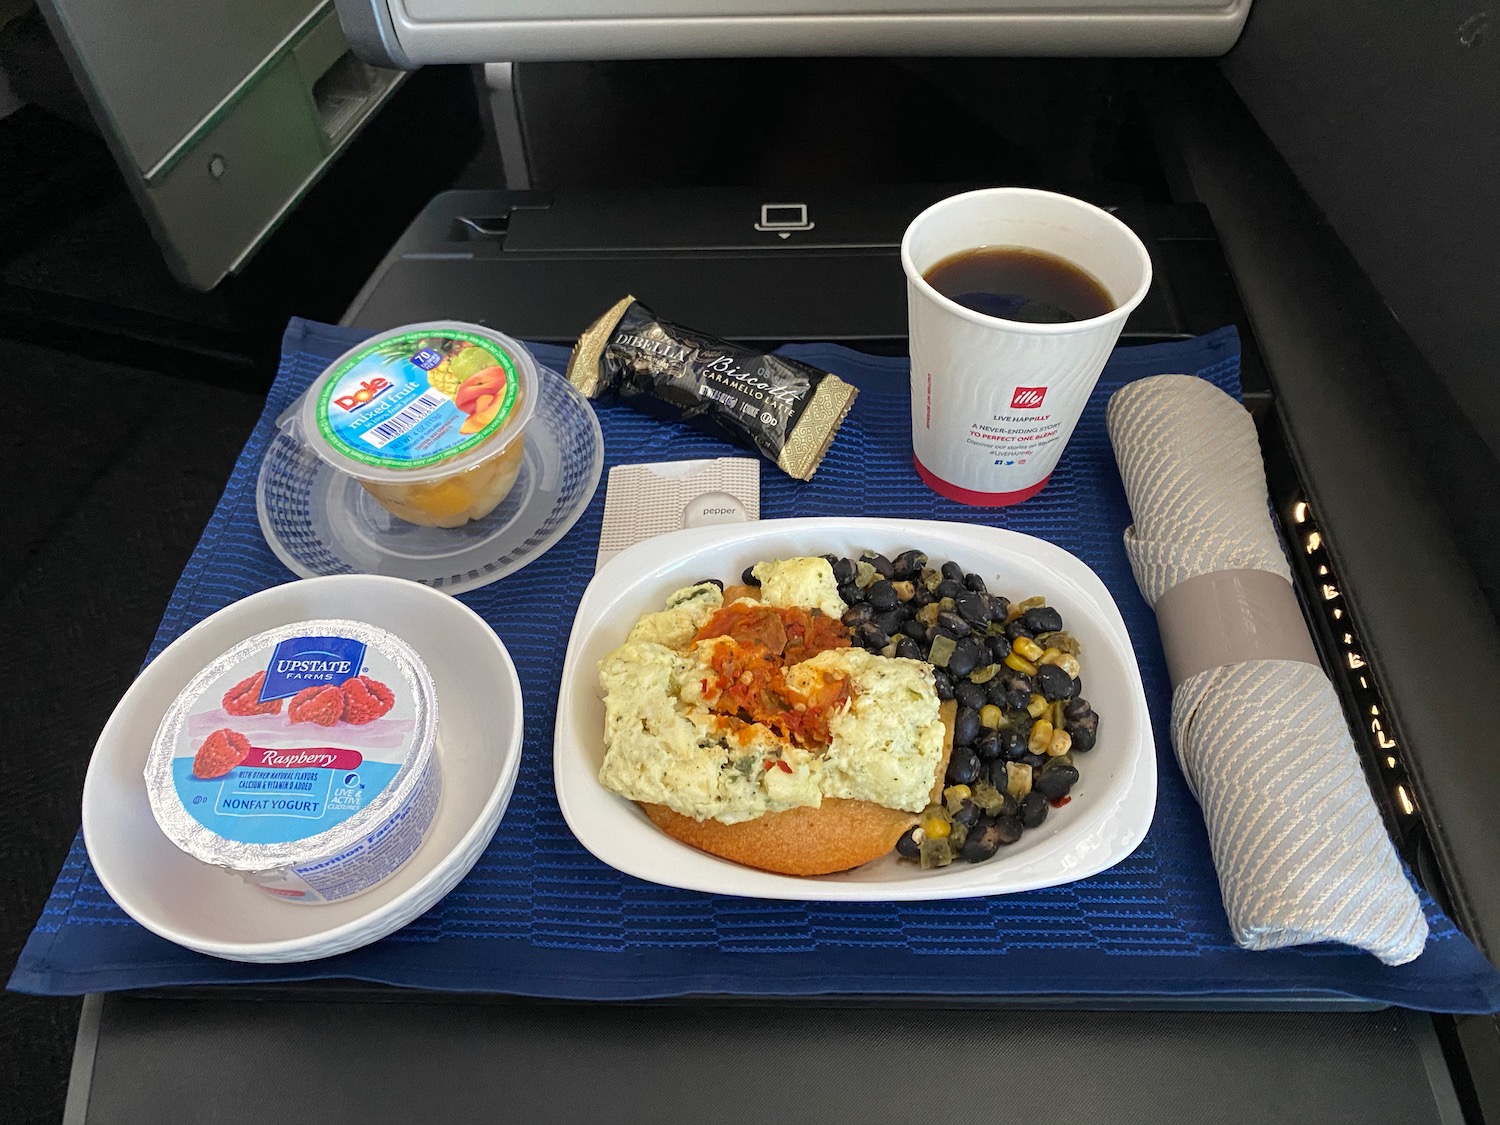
1016, 283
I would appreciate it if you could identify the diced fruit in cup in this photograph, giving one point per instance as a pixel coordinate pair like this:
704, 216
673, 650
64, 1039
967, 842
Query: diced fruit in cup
455, 500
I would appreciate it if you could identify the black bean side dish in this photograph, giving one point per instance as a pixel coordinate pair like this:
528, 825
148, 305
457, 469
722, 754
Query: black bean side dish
1014, 673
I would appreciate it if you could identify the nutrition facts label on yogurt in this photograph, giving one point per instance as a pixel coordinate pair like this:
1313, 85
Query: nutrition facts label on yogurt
378, 856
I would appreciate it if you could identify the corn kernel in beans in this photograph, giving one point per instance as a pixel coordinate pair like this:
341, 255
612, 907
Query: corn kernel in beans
1019, 664
1041, 736
1026, 648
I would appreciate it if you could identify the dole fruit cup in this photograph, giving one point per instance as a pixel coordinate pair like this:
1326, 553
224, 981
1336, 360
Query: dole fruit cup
994, 401
428, 418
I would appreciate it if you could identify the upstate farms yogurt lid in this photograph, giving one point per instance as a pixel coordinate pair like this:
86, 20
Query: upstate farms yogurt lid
296, 750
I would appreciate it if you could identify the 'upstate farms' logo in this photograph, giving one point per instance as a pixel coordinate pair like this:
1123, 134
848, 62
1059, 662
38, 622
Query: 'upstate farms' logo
369, 390
300, 662
1027, 398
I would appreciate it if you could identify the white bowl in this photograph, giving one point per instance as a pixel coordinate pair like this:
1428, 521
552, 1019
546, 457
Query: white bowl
192, 904
1112, 803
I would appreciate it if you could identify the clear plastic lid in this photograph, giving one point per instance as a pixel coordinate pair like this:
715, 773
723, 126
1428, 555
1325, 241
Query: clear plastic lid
420, 402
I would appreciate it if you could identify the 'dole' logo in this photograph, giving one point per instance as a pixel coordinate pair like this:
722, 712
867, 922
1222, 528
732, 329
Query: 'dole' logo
368, 390
1027, 398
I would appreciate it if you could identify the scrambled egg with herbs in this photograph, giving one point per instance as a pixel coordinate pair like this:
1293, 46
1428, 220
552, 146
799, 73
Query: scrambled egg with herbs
687, 611
679, 732
800, 582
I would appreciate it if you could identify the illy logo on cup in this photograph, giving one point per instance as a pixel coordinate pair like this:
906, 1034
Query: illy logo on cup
1027, 398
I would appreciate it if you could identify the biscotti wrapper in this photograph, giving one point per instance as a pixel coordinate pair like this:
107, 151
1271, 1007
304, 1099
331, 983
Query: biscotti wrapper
788, 410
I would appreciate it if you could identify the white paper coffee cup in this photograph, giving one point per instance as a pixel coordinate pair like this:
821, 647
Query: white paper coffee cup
994, 401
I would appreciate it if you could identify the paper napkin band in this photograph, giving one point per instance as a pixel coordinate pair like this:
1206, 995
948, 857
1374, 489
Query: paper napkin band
1228, 617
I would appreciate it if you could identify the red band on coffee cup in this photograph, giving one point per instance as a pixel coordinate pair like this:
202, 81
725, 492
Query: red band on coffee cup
977, 499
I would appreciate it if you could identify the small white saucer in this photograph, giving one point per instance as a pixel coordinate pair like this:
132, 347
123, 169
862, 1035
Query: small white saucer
197, 906
319, 521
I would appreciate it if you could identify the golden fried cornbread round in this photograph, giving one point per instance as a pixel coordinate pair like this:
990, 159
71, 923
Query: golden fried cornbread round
838, 835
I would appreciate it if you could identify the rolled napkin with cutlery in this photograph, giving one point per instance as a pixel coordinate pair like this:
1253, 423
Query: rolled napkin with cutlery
1300, 848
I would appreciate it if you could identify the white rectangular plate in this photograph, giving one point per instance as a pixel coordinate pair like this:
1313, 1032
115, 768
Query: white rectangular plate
1112, 803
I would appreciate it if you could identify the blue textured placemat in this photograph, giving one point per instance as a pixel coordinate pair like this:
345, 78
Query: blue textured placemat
540, 916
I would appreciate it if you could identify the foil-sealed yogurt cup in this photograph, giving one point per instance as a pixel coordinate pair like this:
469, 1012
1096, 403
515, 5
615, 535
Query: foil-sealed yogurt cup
302, 760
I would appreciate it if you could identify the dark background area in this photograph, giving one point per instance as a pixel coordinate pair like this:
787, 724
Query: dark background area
1389, 113
130, 398
132, 395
